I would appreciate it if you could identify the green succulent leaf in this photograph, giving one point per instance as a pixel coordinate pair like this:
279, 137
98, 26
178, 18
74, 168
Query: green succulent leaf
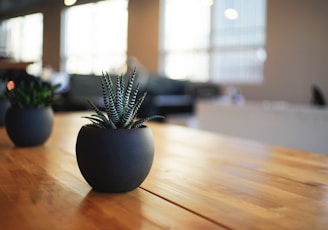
96, 122
120, 96
129, 90
107, 121
128, 115
140, 122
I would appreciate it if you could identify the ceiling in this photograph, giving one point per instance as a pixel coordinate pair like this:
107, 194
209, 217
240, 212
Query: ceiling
10, 6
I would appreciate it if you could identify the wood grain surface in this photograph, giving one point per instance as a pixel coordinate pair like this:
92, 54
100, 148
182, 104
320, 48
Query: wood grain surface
199, 180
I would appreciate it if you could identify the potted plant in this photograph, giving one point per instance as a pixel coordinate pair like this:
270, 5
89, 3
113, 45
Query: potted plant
29, 119
115, 151
4, 104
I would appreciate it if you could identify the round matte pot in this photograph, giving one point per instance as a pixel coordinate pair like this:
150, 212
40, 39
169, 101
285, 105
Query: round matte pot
30, 126
114, 160
4, 105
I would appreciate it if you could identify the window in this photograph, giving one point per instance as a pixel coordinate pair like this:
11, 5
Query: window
220, 41
22, 39
95, 37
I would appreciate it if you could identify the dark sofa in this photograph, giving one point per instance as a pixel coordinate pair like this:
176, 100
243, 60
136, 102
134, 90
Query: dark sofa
164, 95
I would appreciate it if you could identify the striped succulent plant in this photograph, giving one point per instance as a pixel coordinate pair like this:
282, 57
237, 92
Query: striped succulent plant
120, 103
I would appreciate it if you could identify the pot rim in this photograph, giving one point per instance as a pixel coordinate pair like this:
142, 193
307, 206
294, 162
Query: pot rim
118, 129
30, 108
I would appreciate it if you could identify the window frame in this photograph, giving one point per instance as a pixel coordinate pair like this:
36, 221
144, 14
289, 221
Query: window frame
23, 45
98, 63
255, 74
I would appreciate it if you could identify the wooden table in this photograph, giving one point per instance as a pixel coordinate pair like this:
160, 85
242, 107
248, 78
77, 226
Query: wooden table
199, 180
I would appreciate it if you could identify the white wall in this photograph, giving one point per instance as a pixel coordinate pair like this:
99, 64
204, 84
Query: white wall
297, 36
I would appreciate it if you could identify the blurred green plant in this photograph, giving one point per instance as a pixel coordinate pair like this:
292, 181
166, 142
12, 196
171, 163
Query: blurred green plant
32, 93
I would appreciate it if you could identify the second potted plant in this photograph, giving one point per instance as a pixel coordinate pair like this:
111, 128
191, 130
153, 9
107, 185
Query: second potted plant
29, 119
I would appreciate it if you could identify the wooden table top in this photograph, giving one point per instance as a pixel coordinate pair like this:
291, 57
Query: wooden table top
199, 180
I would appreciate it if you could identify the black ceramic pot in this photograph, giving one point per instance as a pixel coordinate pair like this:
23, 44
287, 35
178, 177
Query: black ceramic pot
114, 160
30, 126
4, 105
